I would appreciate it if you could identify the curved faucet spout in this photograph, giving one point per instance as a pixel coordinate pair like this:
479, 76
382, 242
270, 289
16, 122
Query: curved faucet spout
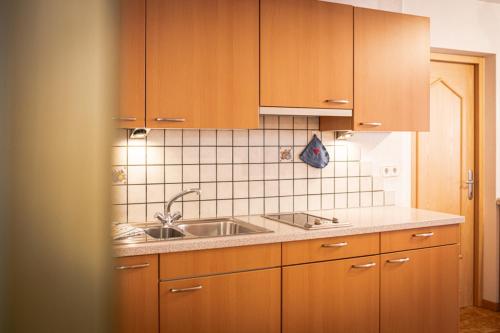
167, 217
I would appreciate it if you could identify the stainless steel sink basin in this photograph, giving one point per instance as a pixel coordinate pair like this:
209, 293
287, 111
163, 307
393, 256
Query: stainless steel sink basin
219, 227
163, 233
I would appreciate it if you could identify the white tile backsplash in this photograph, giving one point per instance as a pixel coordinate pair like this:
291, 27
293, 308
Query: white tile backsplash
239, 172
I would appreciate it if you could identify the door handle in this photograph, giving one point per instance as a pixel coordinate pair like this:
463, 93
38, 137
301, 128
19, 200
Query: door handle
121, 268
369, 265
398, 261
470, 184
337, 101
171, 120
341, 244
372, 124
184, 290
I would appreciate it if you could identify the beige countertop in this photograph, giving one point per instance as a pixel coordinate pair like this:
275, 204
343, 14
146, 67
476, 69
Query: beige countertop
363, 220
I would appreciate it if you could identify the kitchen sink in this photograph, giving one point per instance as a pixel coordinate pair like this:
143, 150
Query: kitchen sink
219, 227
163, 233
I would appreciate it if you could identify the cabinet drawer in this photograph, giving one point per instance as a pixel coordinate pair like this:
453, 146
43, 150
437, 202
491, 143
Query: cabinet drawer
205, 262
418, 238
330, 248
246, 302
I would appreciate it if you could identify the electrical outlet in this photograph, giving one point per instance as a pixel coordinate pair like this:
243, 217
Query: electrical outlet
390, 171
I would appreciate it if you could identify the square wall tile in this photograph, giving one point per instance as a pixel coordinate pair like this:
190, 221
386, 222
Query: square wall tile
340, 200
256, 154
208, 155
286, 122
190, 155
299, 170
271, 205
208, 138
271, 171
300, 203
208, 173
352, 169
353, 184
120, 137
389, 198
136, 155
152, 209
256, 206
135, 142
255, 137
328, 139
271, 122
136, 213
240, 207
353, 200
171, 190
340, 169
313, 123
240, 137
155, 193
271, 154
136, 194
378, 198
271, 137
365, 168
224, 172
297, 150
314, 202
313, 172
190, 173
240, 190
327, 201
256, 189
156, 137
119, 213
190, 196
377, 184
155, 174
208, 191
119, 194
136, 174
191, 137
300, 137
353, 152
224, 138
240, 155
224, 155
365, 184
327, 185
300, 122
173, 137
286, 171
154, 155
173, 155
286, 137
300, 186
256, 171
224, 190
240, 172
314, 186
271, 188
286, 187
191, 210
286, 204
329, 170
340, 153
119, 155
365, 199
208, 209
224, 208
340, 185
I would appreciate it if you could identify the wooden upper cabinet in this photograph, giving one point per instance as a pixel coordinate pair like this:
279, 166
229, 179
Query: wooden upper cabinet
202, 63
391, 71
132, 73
136, 289
306, 54
419, 291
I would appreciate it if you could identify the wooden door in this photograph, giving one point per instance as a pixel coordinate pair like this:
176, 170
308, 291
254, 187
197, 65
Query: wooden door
246, 302
306, 54
332, 296
419, 291
202, 63
445, 155
132, 73
391, 71
136, 289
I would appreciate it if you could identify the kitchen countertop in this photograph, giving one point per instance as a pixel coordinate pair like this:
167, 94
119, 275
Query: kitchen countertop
363, 220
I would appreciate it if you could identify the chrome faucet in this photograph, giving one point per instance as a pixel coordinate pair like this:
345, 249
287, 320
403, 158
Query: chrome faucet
169, 218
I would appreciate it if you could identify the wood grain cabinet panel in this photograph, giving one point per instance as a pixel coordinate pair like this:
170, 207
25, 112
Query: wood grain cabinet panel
306, 54
409, 239
391, 71
202, 63
246, 302
136, 290
419, 291
215, 261
330, 248
132, 73
332, 296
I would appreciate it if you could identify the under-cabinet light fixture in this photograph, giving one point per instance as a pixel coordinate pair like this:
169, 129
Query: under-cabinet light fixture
343, 135
139, 133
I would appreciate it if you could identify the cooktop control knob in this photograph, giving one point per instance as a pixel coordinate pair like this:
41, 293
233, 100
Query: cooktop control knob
317, 221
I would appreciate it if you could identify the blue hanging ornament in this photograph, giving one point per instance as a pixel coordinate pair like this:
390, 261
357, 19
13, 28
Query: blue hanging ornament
315, 154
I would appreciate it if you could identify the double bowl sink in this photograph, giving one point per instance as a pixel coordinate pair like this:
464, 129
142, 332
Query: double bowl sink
204, 228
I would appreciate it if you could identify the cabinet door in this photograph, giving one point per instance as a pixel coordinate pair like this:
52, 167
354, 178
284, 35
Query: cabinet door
132, 74
333, 296
240, 302
136, 289
419, 291
306, 54
202, 63
391, 71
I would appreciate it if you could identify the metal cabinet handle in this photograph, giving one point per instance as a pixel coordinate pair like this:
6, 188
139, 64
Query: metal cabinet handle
425, 234
125, 118
337, 101
369, 265
183, 290
120, 268
398, 261
373, 124
341, 244
470, 184
171, 120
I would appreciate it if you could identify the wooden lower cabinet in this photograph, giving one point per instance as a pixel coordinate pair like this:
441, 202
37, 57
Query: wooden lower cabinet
136, 289
332, 296
419, 291
246, 302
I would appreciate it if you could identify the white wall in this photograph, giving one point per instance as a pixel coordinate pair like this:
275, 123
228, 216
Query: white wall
464, 25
